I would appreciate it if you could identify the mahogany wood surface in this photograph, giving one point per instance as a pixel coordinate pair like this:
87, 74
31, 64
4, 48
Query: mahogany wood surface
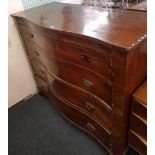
89, 60
138, 143
90, 22
138, 120
141, 94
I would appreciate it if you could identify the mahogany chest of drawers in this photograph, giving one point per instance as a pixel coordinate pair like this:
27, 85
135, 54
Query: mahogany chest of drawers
89, 61
138, 120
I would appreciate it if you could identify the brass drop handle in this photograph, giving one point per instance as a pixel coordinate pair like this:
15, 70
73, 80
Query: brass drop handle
91, 127
89, 106
86, 58
36, 52
88, 83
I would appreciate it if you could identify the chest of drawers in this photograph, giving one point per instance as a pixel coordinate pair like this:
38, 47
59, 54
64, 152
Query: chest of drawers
138, 120
89, 61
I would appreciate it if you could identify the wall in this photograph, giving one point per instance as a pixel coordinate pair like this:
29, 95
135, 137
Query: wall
20, 81
33, 3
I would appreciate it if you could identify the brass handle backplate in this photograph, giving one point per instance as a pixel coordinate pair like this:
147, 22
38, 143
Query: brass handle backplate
88, 83
89, 106
86, 58
91, 127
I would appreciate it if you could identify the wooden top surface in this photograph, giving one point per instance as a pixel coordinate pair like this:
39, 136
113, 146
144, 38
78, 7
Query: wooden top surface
140, 6
141, 94
121, 28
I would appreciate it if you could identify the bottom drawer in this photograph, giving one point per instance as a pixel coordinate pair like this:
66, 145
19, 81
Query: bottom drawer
137, 142
82, 120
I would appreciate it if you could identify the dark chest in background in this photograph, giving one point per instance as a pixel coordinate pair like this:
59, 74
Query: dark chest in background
138, 120
89, 61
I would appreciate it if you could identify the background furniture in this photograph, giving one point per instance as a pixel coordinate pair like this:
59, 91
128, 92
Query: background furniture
138, 120
140, 6
89, 61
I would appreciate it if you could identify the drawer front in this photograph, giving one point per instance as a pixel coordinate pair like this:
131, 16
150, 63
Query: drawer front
137, 143
139, 109
78, 76
83, 100
82, 120
95, 61
138, 126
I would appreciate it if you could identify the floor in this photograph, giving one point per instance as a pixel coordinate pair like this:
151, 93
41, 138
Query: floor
36, 128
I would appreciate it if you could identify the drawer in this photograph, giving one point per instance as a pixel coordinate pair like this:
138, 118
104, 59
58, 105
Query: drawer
139, 109
137, 142
82, 120
78, 76
98, 62
138, 125
83, 100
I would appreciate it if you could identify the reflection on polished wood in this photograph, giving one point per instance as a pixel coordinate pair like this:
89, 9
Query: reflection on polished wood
89, 61
88, 21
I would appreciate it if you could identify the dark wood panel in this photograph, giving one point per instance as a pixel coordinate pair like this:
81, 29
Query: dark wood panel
140, 95
139, 109
138, 119
138, 125
137, 143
